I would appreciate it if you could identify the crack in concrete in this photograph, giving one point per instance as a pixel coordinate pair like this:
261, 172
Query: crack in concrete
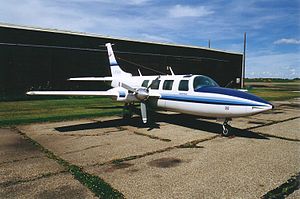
151, 136
91, 147
46, 175
275, 136
190, 144
280, 137
19, 160
87, 135
144, 134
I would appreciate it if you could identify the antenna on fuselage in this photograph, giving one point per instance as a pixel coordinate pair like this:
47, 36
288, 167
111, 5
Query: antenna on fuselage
170, 69
139, 72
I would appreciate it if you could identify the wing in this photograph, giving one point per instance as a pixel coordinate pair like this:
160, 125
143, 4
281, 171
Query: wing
109, 93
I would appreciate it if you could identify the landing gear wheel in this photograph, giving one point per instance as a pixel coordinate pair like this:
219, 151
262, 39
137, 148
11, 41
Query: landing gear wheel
226, 128
225, 131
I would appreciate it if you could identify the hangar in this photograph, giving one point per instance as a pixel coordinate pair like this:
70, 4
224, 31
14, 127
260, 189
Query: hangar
41, 58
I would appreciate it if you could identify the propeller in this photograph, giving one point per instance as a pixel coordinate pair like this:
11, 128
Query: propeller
153, 82
141, 94
144, 112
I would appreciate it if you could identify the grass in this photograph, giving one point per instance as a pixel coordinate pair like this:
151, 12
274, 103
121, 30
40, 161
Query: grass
23, 112
274, 95
272, 80
274, 91
285, 189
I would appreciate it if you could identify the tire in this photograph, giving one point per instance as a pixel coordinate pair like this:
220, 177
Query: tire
226, 130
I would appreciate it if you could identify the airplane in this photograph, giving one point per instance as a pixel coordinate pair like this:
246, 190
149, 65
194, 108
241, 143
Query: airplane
197, 95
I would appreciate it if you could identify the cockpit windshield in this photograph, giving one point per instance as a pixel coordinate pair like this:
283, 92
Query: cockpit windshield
202, 81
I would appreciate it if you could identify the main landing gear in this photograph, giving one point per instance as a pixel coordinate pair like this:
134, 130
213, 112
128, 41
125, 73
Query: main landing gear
226, 128
128, 111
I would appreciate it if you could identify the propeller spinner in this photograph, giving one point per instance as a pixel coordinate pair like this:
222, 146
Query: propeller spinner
142, 94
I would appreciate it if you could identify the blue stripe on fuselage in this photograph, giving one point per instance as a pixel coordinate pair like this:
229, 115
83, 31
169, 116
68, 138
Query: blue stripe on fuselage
231, 92
207, 100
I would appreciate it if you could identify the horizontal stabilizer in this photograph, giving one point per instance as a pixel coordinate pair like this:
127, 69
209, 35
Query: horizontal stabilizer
91, 79
109, 93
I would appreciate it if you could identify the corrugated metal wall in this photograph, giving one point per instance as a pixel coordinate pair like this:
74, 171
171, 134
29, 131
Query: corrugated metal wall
24, 67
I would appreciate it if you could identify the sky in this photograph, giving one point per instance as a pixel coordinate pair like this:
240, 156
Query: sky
272, 26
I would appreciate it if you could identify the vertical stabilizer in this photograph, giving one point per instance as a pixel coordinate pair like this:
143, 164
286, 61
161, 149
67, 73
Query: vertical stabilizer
115, 69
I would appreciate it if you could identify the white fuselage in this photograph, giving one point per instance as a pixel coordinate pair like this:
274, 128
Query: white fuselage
213, 102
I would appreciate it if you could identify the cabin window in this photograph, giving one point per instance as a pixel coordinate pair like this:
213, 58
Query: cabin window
183, 85
145, 83
155, 84
202, 81
168, 85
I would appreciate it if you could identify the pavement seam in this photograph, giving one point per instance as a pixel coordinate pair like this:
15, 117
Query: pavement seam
18, 160
273, 122
45, 175
144, 134
87, 135
190, 144
91, 147
275, 136
94, 183
279, 137
152, 136
285, 189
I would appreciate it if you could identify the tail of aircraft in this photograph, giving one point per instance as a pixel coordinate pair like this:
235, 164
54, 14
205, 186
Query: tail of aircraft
115, 69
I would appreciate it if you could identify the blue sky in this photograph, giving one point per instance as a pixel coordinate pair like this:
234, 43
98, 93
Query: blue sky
273, 27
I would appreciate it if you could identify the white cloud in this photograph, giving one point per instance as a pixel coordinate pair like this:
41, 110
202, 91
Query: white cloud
137, 2
120, 2
178, 11
284, 65
171, 21
287, 41
156, 38
45, 14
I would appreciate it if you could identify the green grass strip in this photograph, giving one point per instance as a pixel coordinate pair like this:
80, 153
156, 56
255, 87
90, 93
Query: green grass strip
56, 118
285, 189
36, 111
97, 185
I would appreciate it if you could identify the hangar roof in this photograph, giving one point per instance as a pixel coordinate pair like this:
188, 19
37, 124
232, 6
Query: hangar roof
109, 37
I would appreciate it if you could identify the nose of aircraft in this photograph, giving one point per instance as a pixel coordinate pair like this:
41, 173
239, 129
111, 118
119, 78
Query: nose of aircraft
252, 97
240, 94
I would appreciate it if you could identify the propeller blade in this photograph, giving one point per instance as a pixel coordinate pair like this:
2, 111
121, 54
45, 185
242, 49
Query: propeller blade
128, 87
153, 82
144, 112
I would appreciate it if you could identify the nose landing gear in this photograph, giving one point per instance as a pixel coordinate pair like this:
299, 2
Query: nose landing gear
226, 128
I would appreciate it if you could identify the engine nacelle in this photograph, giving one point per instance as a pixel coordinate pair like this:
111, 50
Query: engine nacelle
127, 98
142, 94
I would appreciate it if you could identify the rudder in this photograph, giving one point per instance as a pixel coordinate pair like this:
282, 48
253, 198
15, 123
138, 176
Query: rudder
115, 69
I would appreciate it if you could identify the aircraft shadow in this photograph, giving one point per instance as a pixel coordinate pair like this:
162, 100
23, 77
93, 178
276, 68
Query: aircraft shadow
176, 119
193, 122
